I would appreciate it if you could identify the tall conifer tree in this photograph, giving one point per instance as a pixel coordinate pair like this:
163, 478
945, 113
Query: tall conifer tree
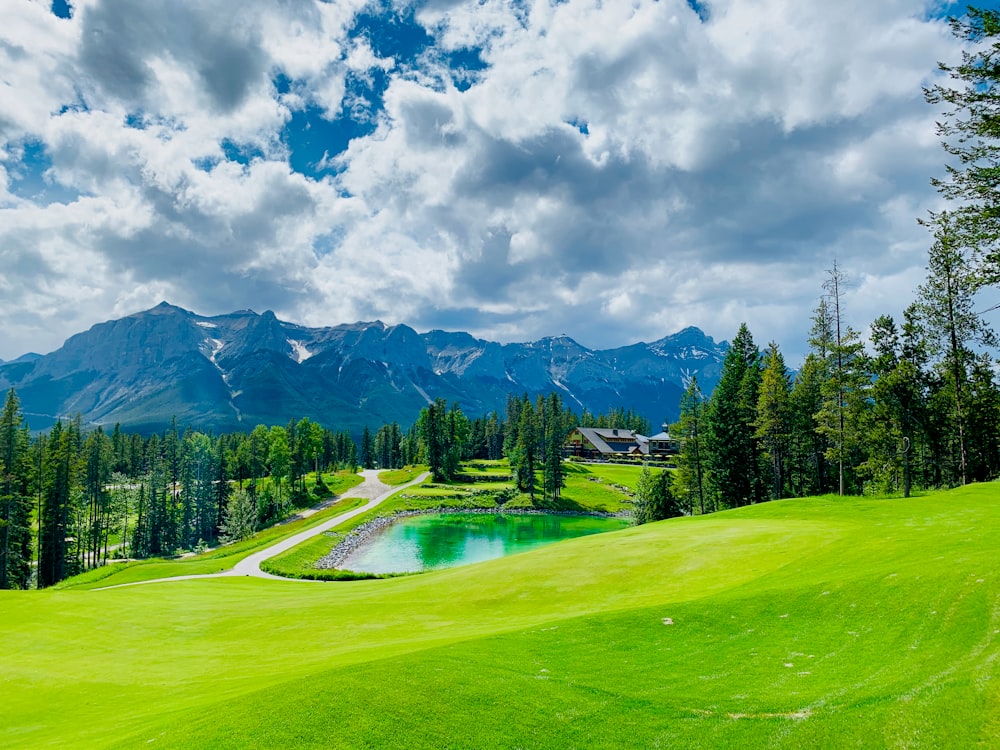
732, 452
15, 503
773, 423
689, 479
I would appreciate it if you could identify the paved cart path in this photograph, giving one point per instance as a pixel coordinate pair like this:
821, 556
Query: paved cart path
372, 488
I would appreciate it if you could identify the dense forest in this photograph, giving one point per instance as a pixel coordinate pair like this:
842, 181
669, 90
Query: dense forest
914, 406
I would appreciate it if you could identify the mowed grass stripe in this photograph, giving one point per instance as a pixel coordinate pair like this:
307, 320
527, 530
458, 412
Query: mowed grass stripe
850, 582
626, 679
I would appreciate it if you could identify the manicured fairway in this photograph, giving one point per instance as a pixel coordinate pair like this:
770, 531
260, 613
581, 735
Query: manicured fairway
805, 623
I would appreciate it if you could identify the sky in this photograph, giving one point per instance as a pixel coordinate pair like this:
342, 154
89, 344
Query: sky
614, 171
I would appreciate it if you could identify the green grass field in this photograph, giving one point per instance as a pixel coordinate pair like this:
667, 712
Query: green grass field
588, 488
825, 622
394, 477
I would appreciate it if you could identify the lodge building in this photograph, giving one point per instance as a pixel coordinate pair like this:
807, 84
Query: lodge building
602, 444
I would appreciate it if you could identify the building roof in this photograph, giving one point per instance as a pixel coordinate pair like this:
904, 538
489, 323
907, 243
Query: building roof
623, 440
599, 437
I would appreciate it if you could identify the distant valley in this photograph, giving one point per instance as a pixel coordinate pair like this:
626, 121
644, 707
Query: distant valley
232, 371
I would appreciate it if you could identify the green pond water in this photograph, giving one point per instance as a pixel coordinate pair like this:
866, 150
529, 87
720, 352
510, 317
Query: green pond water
443, 540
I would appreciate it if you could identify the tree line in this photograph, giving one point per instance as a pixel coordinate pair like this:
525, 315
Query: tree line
72, 499
917, 407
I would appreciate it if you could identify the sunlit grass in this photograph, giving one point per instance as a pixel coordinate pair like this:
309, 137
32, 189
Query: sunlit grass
827, 622
395, 477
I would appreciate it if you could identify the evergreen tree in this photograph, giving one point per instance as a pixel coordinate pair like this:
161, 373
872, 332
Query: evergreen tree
279, 461
525, 453
456, 438
493, 436
121, 496
15, 503
221, 488
732, 454
951, 323
512, 421
93, 533
258, 448
432, 426
367, 454
841, 416
654, 500
240, 519
807, 468
971, 136
984, 420
56, 560
773, 423
689, 484
894, 423
554, 429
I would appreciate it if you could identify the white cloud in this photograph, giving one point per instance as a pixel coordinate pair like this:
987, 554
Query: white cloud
616, 154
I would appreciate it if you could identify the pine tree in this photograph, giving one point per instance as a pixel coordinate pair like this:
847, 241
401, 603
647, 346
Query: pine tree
970, 134
525, 451
367, 454
456, 440
98, 449
432, 426
279, 461
842, 416
689, 478
554, 431
807, 469
15, 502
894, 424
56, 560
984, 420
732, 453
844, 392
654, 499
240, 519
951, 323
121, 497
512, 421
773, 423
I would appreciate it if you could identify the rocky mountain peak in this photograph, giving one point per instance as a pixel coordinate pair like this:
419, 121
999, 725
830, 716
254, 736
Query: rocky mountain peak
243, 368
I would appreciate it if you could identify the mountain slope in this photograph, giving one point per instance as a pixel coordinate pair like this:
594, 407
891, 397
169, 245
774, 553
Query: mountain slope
244, 368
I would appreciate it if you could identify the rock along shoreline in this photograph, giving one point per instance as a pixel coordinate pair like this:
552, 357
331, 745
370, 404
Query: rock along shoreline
366, 532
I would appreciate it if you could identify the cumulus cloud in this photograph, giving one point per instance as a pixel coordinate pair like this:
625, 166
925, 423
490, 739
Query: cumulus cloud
613, 170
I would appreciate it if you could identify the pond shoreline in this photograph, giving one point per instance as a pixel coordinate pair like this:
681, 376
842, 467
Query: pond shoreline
366, 532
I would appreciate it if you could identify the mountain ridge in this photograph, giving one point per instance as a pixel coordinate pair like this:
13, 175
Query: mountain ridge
235, 370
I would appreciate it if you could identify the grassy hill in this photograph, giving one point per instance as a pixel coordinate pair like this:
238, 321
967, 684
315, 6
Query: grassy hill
824, 622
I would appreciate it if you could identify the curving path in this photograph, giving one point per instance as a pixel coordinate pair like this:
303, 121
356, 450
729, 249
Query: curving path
372, 488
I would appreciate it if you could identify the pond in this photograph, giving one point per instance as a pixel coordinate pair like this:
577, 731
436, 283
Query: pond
443, 540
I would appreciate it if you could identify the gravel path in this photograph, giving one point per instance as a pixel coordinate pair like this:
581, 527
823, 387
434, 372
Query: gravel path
372, 488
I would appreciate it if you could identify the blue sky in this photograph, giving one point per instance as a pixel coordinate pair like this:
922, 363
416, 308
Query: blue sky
611, 170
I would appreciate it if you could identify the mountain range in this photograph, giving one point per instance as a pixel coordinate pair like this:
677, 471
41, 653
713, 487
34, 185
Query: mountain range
231, 372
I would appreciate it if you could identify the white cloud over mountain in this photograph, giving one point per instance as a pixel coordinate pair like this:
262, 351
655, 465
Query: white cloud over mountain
611, 170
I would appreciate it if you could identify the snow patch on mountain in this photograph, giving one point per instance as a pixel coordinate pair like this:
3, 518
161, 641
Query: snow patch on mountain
572, 395
299, 352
